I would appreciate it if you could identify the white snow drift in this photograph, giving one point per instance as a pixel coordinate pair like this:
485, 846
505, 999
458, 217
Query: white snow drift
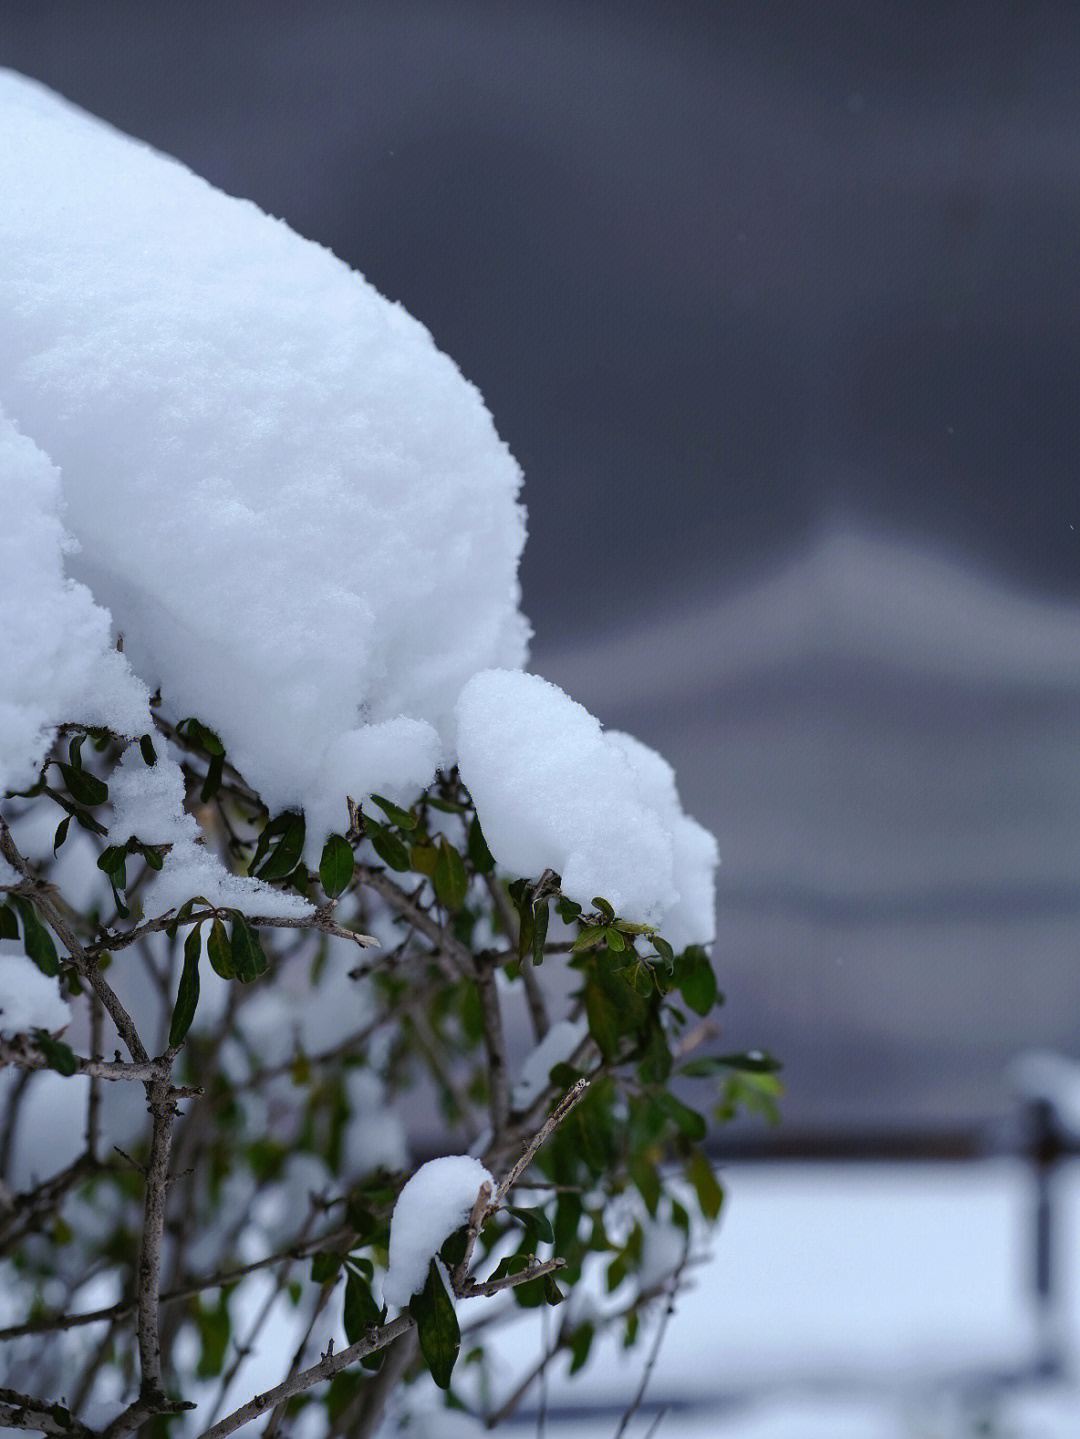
301, 519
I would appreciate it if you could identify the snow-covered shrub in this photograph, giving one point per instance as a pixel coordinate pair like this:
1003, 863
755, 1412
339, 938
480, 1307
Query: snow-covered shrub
303, 880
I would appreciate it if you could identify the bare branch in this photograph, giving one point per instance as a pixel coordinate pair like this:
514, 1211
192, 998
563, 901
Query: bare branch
495, 1048
554, 1119
327, 1367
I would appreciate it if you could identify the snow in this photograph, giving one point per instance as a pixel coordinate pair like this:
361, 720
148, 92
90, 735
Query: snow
433, 1203
556, 1047
552, 791
296, 509
148, 803
56, 657
300, 518
28, 999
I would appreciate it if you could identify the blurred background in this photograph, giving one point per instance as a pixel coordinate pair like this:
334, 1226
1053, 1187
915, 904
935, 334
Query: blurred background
776, 307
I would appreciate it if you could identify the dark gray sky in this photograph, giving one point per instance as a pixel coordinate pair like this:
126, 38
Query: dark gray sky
718, 269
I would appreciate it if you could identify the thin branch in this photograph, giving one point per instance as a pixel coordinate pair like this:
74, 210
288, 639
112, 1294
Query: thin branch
23, 1053
381, 883
20, 1411
163, 1106
38, 892
654, 1353
554, 1119
326, 1368
495, 1048
319, 919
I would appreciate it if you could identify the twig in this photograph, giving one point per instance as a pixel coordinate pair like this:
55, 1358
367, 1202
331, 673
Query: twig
88, 971
495, 1048
661, 1329
554, 1119
20, 1411
326, 1368
163, 1107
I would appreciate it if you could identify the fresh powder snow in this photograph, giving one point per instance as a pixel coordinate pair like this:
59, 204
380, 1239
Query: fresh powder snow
296, 509
301, 520
436, 1201
28, 999
57, 662
553, 791
148, 803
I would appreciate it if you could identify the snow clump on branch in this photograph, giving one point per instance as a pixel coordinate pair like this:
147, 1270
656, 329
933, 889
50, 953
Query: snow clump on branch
435, 1202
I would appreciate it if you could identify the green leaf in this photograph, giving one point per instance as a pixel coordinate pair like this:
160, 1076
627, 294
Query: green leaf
646, 1179
526, 927
552, 1293
37, 941
58, 1055
696, 980
248, 958
386, 845
602, 906
284, 844
689, 1120
591, 936
200, 735
212, 783
61, 832
324, 1267
447, 806
147, 750
480, 857
88, 822
756, 1061
219, 951
394, 813
9, 925
187, 995
336, 865
706, 1186
75, 751
84, 787
423, 858
568, 910
361, 1311
111, 860
580, 1343
450, 881
436, 1327
214, 1326
605, 1025
536, 1222
540, 929
614, 940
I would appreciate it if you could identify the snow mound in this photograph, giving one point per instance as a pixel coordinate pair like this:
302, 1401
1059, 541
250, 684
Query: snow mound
554, 792
437, 1200
57, 662
28, 999
296, 509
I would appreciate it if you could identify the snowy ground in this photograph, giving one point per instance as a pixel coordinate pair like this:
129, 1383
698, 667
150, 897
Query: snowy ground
870, 1301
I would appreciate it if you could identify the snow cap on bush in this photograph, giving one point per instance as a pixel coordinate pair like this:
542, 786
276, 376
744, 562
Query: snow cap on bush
552, 791
295, 507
